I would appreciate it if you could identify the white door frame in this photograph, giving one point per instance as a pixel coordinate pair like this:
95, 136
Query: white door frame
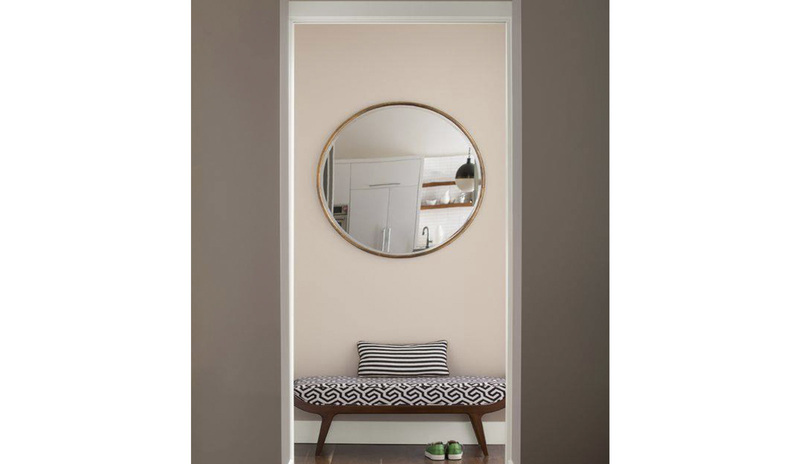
398, 12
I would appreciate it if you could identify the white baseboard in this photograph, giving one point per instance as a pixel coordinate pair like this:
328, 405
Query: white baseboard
397, 432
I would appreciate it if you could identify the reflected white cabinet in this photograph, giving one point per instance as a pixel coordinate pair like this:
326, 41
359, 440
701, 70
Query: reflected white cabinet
341, 184
384, 203
402, 219
369, 211
384, 173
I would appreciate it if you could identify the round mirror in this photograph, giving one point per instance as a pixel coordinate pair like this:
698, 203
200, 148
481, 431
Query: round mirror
400, 179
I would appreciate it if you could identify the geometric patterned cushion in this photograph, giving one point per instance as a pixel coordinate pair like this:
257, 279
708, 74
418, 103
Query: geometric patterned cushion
400, 391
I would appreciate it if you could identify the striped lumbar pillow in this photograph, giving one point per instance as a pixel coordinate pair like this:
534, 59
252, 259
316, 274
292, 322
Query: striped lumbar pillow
380, 359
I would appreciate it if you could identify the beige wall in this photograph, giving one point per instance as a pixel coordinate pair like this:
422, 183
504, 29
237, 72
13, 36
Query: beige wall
342, 294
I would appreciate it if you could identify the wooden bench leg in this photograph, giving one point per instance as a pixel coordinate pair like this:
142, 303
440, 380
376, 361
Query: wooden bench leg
477, 426
323, 431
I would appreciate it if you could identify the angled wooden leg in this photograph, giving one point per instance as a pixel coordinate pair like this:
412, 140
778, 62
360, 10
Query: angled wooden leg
477, 426
323, 431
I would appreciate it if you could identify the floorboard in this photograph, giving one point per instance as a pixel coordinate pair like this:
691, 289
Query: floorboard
388, 454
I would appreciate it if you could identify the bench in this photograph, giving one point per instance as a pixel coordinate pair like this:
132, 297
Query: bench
331, 396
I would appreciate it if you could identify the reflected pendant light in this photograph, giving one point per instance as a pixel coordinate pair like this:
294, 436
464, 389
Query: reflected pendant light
465, 176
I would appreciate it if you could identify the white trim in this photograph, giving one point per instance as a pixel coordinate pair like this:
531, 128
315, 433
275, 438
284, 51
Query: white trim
287, 231
514, 281
396, 12
399, 11
388, 432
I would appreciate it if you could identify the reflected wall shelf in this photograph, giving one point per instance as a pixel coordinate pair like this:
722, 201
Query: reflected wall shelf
438, 184
449, 205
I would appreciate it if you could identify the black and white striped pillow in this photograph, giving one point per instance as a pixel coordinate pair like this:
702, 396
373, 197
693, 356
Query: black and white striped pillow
424, 359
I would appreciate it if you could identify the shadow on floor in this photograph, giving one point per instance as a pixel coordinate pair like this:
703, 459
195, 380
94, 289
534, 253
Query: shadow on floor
388, 454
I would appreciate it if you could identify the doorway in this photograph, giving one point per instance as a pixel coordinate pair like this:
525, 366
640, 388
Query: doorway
327, 99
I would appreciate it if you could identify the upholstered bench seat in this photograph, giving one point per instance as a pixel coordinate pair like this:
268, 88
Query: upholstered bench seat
400, 391
331, 396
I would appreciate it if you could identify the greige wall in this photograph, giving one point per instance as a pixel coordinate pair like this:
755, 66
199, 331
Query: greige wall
342, 294
565, 232
236, 407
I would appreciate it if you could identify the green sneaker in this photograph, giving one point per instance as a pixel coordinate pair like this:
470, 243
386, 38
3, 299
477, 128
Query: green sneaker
435, 451
454, 451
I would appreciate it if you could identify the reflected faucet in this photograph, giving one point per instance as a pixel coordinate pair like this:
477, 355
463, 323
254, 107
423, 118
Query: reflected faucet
428, 240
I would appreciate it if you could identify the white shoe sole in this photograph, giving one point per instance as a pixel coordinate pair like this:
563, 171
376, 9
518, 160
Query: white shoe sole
434, 457
455, 457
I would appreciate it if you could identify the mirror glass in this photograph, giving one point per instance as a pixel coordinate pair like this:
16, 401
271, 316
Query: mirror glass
400, 179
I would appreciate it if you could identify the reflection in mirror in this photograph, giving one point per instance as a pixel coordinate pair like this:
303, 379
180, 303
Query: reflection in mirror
400, 179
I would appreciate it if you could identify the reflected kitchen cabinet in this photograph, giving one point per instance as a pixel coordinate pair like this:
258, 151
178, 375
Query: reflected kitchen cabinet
384, 199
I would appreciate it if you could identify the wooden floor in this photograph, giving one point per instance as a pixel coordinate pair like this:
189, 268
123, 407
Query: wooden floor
389, 454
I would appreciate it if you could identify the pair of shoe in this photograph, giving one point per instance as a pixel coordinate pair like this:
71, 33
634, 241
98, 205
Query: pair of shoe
438, 451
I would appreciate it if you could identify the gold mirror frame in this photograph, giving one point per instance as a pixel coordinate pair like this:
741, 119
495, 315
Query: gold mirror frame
351, 240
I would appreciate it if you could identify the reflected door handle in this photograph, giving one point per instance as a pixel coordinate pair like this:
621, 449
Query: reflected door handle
383, 240
389, 240
385, 184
